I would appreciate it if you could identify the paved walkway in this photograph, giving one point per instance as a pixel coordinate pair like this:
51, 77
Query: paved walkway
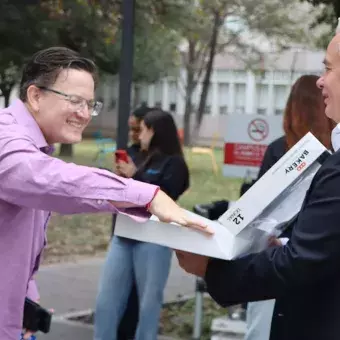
71, 288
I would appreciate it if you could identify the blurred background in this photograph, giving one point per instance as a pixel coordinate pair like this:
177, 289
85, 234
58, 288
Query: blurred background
204, 61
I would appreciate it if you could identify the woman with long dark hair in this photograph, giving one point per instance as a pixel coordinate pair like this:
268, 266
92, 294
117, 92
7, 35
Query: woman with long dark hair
147, 263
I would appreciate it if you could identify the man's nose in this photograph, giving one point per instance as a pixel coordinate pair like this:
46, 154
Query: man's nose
84, 112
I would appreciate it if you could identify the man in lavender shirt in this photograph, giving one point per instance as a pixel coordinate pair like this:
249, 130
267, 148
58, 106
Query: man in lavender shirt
56, 104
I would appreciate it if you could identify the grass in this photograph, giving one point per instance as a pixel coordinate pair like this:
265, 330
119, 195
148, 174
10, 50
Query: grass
70, 237
177, 319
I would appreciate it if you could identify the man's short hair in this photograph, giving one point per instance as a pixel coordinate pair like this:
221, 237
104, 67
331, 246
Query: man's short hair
43, 68
142, 111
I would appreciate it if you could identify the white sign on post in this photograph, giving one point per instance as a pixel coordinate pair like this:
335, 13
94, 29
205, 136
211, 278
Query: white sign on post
246, 140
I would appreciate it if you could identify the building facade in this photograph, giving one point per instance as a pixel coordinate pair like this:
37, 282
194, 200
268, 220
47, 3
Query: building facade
233, 90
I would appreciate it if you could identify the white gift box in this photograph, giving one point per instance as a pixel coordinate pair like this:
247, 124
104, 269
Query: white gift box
262, 211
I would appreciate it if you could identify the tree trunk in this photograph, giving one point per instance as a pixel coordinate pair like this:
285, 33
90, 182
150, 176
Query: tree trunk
207, 76
188, 110
190, 86
66, 150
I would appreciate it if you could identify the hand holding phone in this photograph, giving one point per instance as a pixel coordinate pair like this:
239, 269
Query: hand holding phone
121, 156
125, 166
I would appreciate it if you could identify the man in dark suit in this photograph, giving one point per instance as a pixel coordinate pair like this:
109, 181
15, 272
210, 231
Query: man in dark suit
303, 275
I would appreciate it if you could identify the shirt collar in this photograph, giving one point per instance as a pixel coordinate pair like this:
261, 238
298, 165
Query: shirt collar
25, 118
335, 137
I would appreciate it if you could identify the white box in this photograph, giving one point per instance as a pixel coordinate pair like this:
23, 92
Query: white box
272, 201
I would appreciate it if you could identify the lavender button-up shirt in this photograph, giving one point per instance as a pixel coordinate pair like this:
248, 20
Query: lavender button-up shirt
32, 184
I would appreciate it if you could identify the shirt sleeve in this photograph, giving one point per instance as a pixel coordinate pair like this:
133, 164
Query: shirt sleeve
32, 179
32, 290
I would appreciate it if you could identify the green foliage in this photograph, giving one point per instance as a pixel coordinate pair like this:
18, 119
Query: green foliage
177, 319
254, 21
89, 27
156, 54
157, 38
334, 4
18, 42
328, 16
92, 28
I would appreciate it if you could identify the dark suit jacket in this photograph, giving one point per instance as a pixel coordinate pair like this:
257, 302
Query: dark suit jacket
303, 276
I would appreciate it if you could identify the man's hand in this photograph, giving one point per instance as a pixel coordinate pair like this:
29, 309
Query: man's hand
192, 263
168, 211
126, 169
274, 242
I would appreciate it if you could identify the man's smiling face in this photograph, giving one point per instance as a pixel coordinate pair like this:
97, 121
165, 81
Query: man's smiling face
329, 82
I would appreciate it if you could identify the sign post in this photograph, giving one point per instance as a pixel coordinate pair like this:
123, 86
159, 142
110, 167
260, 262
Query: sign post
246, 140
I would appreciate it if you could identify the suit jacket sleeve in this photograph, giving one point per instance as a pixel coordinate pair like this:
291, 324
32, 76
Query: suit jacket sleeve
311, 255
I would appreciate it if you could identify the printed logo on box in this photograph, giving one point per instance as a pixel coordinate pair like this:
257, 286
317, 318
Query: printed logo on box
299, 164
236, 217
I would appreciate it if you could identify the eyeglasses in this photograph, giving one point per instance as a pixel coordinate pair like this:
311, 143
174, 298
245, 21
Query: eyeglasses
77, 102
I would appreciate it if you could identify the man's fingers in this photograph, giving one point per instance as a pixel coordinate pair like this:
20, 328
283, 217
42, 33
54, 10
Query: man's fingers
180, 255
181, 252
180, 258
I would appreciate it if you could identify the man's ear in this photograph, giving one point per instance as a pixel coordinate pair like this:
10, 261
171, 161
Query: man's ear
33, 97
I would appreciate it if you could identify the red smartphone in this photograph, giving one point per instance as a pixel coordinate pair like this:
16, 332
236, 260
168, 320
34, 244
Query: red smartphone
121, 156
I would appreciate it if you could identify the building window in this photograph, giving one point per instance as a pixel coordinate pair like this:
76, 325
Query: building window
278, 112
173, 107
207, 109
223, 110
239, 109
112, 104
158, 105
261, 111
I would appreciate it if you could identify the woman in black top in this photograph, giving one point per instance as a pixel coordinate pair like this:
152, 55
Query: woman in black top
149, 264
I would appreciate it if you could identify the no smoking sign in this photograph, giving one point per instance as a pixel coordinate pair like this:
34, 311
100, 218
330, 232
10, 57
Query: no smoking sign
258, 130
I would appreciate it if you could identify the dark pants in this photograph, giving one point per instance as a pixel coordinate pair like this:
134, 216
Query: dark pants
128, 325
